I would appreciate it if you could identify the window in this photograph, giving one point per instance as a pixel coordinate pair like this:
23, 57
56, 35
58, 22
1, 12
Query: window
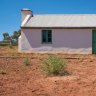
46, 36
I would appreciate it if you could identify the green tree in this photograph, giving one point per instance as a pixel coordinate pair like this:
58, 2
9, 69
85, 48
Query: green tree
15, 35
6, 36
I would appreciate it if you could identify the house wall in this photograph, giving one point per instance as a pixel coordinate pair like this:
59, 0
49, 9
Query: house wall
63, 40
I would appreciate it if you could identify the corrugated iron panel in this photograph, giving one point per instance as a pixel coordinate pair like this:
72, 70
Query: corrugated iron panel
62, 20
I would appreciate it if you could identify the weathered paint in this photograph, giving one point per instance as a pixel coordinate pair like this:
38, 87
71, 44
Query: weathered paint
63, 40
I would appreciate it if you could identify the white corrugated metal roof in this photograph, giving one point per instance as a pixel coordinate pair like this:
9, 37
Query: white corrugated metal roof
62, 20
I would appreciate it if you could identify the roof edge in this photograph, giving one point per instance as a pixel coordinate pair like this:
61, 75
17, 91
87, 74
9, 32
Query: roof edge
58, 27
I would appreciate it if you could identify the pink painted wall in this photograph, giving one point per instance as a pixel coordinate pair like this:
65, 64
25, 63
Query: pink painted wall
76, 39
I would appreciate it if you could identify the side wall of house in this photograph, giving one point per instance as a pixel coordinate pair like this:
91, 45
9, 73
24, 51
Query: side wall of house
73, 41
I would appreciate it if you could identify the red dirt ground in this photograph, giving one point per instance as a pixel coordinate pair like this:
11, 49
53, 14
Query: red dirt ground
16, 79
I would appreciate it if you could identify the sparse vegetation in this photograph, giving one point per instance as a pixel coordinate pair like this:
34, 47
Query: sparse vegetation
26, 61
10, 46
15, 77
2, 72
13, 38
54, 65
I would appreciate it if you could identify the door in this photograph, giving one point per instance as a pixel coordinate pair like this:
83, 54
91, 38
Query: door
94, 41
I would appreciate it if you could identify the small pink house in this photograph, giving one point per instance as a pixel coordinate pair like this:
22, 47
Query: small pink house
67, 33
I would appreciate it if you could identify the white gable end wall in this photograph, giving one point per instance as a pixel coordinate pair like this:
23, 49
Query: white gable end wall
73, 41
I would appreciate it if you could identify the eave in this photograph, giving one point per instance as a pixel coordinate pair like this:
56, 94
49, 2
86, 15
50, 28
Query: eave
94, 28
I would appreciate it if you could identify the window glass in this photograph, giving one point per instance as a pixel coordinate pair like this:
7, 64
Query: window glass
46, 36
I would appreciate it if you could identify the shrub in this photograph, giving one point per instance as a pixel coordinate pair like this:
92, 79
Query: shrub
26, 61
3, 44
54, 65
10, 46
2, 72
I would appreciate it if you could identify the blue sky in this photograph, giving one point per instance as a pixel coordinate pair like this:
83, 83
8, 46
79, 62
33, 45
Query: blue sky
10, 17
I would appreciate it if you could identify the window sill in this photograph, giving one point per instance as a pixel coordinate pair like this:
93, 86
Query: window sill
46, 43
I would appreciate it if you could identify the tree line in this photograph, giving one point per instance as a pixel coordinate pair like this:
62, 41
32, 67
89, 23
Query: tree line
14, 38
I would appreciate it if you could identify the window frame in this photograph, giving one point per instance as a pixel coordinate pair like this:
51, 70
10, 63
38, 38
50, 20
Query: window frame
46, 33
